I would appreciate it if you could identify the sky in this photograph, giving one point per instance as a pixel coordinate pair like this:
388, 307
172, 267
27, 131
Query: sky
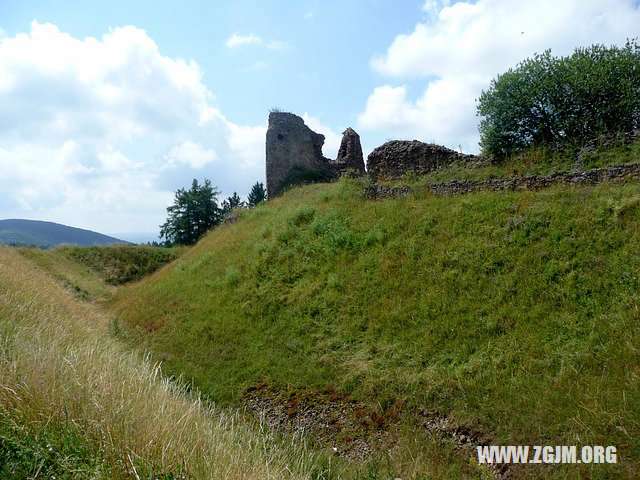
107, 108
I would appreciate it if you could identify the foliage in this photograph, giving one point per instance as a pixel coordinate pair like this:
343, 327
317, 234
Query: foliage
193, 212
230, 203
548, 99
257, 194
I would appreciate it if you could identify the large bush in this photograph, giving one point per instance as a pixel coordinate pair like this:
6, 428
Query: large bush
562, 99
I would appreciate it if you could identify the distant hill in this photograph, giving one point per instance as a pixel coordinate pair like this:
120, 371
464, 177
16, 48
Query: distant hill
49, 234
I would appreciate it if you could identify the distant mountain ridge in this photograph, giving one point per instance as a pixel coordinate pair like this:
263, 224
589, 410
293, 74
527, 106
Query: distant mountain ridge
49, 234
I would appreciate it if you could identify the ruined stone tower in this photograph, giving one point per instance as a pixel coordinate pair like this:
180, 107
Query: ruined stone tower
350, 152
294, 153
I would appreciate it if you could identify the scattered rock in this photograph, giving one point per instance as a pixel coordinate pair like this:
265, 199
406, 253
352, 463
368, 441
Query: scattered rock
354, 430
466, 438
348, 428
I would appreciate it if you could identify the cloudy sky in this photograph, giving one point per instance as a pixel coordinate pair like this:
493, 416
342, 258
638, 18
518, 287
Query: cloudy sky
106, 108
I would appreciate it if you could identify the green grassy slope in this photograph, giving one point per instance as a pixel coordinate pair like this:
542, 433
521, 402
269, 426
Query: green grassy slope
92, 272
120, 264
517, 311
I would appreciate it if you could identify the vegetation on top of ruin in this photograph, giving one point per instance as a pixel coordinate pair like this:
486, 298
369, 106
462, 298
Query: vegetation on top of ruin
601, 151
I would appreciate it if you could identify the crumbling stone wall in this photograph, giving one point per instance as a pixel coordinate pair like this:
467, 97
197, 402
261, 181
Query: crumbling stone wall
396, 158
350, 152
610, 140
294, 153
614, 173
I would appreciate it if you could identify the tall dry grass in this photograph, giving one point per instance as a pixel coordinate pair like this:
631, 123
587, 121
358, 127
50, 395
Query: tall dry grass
58, 365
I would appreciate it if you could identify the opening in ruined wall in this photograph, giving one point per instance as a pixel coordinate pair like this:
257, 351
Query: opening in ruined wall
280, 136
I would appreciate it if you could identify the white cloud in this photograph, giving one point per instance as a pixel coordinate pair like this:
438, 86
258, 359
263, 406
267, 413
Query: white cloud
239, 40
98, 132
309, 16
247, 145
463, 45
113, 162
189, 153
331, 139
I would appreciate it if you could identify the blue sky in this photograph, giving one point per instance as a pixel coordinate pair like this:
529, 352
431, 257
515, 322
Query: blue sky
106, 108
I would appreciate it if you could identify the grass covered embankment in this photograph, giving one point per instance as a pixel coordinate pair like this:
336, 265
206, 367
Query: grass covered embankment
111, 265
541, 160
74, 404
517, 312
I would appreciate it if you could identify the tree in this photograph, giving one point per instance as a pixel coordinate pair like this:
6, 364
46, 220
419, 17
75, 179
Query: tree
257, 194
193, 212
230, 203
561, 99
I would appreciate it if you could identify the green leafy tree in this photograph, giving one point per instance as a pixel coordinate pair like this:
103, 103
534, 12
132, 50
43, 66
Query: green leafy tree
193, 212
562, 99
230, 203
257, 194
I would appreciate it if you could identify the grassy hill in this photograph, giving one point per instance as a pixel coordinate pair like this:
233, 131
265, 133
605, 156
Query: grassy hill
379, 339
48, 234
514, 314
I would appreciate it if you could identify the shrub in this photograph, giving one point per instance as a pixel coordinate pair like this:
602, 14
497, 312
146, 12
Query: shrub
334, 232
561, 99
303, 215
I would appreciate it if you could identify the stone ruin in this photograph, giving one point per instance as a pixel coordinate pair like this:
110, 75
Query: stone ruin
294, 154
396, 158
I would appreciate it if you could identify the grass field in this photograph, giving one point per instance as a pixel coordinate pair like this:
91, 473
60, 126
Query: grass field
74, 404
514, 312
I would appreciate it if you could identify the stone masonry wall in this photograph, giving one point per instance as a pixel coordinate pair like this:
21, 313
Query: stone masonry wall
396, 158
527, 182
294, 151
350, 152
